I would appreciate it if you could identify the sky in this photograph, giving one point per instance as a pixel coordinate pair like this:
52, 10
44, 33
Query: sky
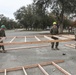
8, 7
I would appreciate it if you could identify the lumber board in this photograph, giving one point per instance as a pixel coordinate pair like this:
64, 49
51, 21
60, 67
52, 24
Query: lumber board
68, 45
32, 66
25, 38
5, 72
60, 37
17, 48
36, 42
13, 39
49, 38
41, 68
37, 38
61, 69
69, 36
24, 70
72, 44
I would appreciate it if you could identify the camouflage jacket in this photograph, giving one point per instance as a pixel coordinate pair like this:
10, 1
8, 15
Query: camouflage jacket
2, 33
54, 31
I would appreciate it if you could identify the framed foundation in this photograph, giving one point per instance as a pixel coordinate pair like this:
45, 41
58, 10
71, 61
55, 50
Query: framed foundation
40, 66
35, 39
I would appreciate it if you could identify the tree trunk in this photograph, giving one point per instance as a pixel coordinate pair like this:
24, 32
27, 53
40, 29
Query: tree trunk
61, 28
61, 19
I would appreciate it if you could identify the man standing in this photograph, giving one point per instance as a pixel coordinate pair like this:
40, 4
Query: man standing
54, 31
2, 34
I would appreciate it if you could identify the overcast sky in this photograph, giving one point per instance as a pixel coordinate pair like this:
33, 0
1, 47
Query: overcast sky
8, 7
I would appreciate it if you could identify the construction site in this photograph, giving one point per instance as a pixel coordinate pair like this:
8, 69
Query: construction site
38, 37
30, 53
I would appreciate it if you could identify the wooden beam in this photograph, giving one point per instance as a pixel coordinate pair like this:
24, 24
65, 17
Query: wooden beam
66, 36
68, 45
72, 44
69, 36
36, 42
37, 38
24, 70
32, 66
41, 68
17, 48
34, 36
12, 39
49, 38
59, 37
25, 38
5, 72
61, 69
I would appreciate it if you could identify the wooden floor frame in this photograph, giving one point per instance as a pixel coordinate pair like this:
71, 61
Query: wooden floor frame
71, 45
40, 66
61, 38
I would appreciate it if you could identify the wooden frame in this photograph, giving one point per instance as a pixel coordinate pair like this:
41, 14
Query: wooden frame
48, 39
17, 48
54, 63
61, 69
35, 42
61, 39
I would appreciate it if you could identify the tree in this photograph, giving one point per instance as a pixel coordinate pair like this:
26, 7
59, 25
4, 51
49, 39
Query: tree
64, 7
9, 23
41, 13
24, 16
60, 7
74, 24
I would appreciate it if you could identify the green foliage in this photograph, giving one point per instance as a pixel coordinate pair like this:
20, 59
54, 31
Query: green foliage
74, 24
36, 15
61, 7
9, 23
67, 23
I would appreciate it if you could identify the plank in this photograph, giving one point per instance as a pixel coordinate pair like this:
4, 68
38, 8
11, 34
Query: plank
66, 36
12, 39
68, 45
72, 44
69, 36
17, 48
48, 37
59, 37
37, 38
41, 68
61, 69
25, 38
24, 70
32, 66
36, 42
5, 72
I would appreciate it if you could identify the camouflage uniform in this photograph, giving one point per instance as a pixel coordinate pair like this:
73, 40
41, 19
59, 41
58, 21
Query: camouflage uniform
2, 34
54, 31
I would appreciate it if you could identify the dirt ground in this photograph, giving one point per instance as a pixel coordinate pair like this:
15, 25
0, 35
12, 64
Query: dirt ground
22, 57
